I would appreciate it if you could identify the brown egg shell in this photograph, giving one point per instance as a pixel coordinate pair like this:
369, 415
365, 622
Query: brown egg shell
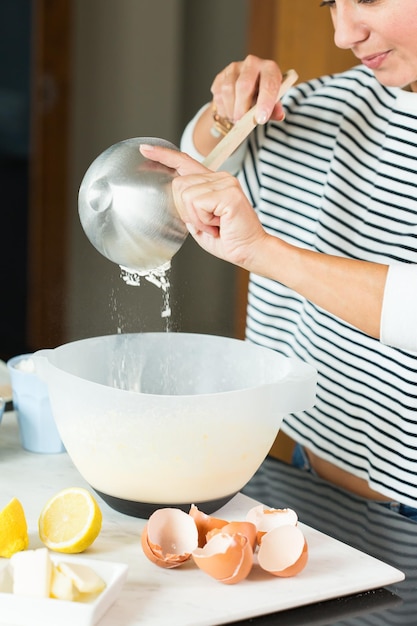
266, 519
205, 524
243, 528
227, 558
283, 551
169, 537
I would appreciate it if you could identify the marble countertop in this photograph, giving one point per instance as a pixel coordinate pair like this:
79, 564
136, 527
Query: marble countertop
34, 478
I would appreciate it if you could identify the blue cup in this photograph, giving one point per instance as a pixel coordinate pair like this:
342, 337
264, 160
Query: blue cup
37, 428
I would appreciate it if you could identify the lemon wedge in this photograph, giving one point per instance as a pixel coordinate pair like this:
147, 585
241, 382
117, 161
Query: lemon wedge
70, 521
13, 529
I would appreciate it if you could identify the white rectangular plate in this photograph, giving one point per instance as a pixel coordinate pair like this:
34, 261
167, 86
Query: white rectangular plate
186, 596
22, 611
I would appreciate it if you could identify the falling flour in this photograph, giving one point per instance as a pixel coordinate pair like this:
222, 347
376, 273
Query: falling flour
158, 277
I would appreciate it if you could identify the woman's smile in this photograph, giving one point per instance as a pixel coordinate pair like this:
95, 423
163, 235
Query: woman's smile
375, 61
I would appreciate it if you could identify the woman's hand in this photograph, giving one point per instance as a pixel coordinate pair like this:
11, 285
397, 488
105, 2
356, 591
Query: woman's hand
214, 207
245, 83
222, 221
237, 88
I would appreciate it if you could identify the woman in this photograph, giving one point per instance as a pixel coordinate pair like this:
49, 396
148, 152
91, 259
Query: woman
332, 244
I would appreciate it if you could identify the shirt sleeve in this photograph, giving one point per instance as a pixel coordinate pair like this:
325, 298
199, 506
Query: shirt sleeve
233, 163
399, 309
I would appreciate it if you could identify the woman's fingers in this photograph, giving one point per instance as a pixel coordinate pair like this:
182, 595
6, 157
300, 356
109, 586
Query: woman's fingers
192, 189
224, 88
200, 198
270, 81
242, 84
176, 160
212, 204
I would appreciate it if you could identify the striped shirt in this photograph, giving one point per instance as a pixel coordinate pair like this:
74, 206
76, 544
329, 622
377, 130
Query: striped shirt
339, 176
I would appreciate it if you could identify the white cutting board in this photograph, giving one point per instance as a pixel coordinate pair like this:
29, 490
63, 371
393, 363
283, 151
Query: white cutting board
186, 596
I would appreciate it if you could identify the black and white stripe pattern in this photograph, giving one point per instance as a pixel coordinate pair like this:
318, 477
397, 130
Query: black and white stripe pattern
340, 176
364, 524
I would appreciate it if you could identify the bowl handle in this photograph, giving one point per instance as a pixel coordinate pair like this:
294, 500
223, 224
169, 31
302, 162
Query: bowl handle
300, 388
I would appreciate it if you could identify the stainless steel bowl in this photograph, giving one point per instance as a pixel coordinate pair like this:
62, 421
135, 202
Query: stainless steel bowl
127, 209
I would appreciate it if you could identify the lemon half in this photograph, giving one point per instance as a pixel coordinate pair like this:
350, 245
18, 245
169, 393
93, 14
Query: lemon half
70, 521
13, 529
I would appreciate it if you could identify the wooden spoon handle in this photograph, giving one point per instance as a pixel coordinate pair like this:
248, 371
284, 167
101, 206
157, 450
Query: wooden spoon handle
242, 128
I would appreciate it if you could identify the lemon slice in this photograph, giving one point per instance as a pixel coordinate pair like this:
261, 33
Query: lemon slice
13, 529
70, 521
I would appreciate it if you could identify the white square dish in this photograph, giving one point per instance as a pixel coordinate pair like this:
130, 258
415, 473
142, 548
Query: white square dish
25, 611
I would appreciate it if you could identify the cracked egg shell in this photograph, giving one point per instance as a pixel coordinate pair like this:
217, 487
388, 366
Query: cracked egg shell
169, 537
205, 524
227, 558
248, 529
283, 551
267, 519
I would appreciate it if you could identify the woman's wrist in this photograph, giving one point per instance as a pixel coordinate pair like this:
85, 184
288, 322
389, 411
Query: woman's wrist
204, 139
263, 256
221, 126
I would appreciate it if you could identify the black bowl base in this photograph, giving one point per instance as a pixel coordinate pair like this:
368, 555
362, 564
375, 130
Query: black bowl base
145, 509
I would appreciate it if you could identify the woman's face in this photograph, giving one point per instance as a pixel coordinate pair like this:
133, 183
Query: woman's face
382, 34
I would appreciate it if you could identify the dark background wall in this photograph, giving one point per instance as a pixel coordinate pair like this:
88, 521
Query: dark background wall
143, 70
14, 151
139, 68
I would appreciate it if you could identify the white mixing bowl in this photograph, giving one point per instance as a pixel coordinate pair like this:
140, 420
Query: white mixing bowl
170, 419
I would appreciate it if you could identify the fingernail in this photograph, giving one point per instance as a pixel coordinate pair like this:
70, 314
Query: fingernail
261, 117
147, 146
